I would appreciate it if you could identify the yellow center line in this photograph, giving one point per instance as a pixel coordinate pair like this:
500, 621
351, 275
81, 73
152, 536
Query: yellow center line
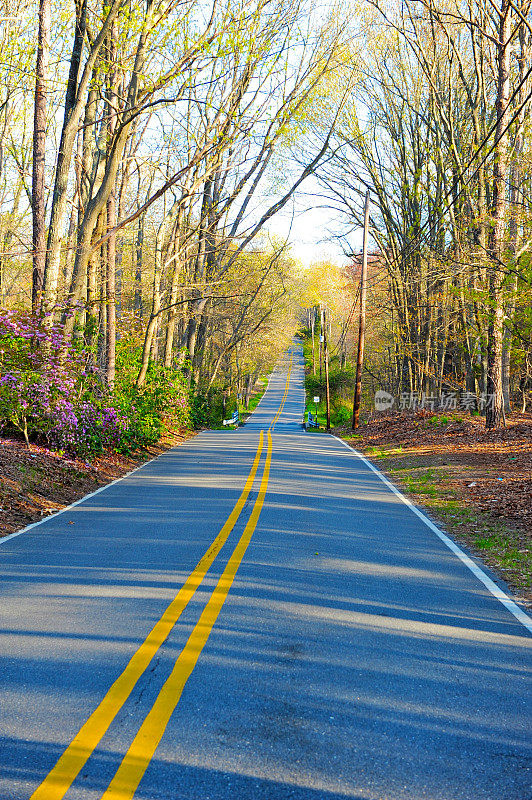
285, 395
134, 764
281, 406
61, 777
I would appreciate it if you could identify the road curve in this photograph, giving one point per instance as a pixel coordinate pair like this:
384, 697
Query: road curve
255, 615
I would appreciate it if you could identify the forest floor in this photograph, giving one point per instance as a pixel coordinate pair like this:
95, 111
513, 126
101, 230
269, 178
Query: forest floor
477, 484
38, 482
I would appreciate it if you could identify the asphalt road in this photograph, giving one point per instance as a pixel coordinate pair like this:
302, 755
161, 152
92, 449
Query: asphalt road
334, 648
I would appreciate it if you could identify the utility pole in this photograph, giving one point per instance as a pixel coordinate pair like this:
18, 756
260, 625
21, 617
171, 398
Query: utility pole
362, 320
321, 337
326, 360
312, 328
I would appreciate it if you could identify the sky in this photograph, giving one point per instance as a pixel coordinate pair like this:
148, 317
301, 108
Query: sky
312, 227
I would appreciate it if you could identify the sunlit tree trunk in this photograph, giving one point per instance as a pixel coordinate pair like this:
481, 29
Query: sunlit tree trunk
495, 398
38, 196
112, 102
74, 104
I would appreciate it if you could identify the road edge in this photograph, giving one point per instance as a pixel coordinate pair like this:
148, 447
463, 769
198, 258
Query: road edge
91, 494
477, 571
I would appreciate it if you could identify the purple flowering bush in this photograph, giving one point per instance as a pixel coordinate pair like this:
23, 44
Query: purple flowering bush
61, 399
36, 389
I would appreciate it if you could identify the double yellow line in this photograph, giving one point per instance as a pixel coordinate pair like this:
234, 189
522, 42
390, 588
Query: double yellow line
285, 395
140, 753
136, 760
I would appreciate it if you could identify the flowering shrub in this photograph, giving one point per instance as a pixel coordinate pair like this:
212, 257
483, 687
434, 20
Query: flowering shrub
35, 387
87, 429
63, 400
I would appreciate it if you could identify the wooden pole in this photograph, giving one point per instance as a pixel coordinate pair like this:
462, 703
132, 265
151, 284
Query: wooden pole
321, 337
362, 320
313, 327
326, 361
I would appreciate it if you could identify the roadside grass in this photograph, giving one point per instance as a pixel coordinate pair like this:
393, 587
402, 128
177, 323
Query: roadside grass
243, 411
496, 542
322, 415
339, 416
255, 399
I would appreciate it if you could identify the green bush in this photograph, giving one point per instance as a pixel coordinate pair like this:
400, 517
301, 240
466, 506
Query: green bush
207, 410
162, 402
343, 416
199, 411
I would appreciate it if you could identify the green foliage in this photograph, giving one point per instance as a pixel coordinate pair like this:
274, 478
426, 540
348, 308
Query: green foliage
341, 382
199, 411
162, 402
207, 410
64, 401
343, 416
341, 388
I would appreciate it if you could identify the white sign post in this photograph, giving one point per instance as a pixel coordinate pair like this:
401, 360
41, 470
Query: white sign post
316, 401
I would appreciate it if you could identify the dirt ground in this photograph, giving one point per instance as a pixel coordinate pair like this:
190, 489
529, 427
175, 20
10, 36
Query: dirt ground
38, 482
478, 484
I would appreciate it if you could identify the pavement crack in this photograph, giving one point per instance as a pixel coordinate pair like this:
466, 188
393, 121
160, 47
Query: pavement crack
148, 678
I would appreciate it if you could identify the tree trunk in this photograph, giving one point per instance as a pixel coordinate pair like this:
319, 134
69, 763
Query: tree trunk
38, 192
192, 338
151, 330
139, 254
110, 366
75, 95
150, 339
494, 393
362, 321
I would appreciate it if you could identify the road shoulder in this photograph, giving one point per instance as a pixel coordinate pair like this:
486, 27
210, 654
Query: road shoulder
39, 482
471, 487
